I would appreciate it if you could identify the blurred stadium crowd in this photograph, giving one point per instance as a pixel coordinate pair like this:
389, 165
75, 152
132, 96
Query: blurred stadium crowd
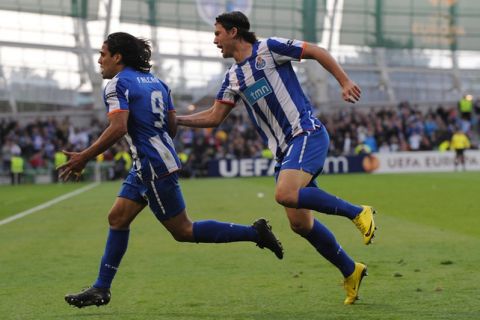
352, 131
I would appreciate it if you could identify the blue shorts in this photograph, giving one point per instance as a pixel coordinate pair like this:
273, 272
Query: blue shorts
306, 152
163, 195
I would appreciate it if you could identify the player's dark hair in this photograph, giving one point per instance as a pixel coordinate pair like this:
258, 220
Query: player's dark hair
237, 19
135, 52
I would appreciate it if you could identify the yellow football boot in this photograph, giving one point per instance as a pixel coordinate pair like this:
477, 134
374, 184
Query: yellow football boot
365, 223
353, 281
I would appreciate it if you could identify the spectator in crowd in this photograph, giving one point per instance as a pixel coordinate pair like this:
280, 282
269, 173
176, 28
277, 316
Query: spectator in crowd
414, 140
122, 162
384, 147
459, 144
17, 166
9, 149
363, 149
186, 169
370, 140
37, 161
465, 105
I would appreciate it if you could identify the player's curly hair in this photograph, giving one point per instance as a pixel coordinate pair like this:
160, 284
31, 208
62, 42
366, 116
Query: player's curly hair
136, 52
237, 19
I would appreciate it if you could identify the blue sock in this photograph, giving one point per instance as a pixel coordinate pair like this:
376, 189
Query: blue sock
115, 248
318, 200
210, 231
324, 241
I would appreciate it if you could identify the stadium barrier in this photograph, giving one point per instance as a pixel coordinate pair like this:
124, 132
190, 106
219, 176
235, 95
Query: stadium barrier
398, 162
377, 163
94, 171
424, 161
254, 167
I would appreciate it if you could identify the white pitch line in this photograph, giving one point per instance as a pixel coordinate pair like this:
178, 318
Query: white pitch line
47, 204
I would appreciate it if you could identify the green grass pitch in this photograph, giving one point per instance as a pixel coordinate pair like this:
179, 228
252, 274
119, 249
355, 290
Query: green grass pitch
424, 263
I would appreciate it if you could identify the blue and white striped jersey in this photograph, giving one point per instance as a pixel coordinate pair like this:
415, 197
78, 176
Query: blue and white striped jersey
148, 100
268, 87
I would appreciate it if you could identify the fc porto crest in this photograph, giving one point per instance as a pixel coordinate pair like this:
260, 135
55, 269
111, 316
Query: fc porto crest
210, 9
260, 64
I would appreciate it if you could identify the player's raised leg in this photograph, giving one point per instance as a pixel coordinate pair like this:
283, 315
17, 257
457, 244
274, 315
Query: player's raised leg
167, 203
295, 189
212, 231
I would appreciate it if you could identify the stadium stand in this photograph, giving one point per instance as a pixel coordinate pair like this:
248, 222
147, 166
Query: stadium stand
404, 128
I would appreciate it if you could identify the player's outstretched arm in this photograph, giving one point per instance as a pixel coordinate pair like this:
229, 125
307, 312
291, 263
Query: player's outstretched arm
78, 160
350, 90
209, 118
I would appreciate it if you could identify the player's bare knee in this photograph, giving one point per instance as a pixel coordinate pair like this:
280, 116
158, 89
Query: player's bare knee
117, 221
286, 198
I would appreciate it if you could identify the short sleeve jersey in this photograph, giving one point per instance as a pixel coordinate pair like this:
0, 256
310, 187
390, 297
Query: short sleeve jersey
269, 88
148, 101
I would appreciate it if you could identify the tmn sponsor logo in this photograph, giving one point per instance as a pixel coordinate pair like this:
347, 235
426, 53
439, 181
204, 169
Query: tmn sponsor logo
258, 90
